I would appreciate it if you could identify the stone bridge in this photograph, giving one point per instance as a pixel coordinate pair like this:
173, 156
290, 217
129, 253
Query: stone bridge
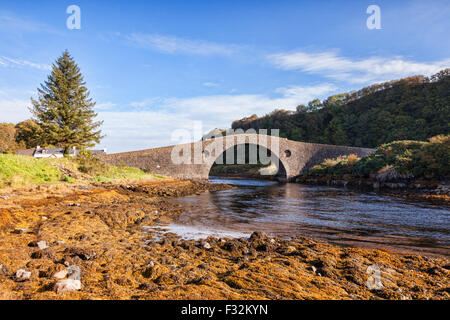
194, 160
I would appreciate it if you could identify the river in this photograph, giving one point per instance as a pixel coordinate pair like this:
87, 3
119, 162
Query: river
341, 216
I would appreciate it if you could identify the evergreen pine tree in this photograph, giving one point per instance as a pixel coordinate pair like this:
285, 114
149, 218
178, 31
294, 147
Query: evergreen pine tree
64, 110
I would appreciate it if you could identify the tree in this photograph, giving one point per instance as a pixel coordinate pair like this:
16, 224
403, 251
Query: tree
64, 110
8, 138
29, 133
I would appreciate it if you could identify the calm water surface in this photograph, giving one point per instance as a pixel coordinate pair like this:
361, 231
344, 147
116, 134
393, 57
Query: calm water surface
338, 215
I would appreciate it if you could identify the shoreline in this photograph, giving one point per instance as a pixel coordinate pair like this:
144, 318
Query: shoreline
99, 228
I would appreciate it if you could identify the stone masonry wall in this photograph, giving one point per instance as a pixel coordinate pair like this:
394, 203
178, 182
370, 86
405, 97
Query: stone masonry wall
296, 157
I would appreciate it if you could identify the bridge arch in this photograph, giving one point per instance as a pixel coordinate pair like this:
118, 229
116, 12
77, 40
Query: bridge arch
273, 166
260, 145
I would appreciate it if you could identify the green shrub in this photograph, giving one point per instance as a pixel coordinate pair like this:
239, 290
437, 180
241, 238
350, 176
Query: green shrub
408, 158
89, 164
433, 160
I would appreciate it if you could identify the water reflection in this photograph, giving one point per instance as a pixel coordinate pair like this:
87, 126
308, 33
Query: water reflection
338, 215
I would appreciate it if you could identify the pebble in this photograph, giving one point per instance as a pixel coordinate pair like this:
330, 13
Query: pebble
42, 245
313, 269
290, 250
60, 274
3, 270
206, 246
23, 275
21, 230
74, 273
67, 285
74, 204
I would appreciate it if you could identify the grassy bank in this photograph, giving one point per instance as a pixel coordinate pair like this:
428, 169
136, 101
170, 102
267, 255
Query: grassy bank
19, 171
396, 160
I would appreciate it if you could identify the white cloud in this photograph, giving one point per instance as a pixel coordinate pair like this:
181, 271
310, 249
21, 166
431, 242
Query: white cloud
17, 63
145, 103
105, 105
149, 123
14, 110
331, 65
144, 128
172, 45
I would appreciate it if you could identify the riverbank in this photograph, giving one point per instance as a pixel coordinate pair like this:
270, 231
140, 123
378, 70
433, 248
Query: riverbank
98, 235
431, 190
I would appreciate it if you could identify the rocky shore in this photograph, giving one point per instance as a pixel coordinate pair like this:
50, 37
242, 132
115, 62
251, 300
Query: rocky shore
93, 242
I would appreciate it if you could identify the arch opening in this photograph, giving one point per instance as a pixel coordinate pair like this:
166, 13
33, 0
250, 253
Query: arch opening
246, 166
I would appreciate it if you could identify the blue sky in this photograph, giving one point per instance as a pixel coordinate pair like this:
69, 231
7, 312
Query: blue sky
157, 66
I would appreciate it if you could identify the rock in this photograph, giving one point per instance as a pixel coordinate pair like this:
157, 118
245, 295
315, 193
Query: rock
151, 264
257, 235
20, 231
22, 275
45, 253
313, 269
42, 245
83, 254
74, 204
206, 245
148, 286
67, 285
4, 270
60, 274
290, 250
150, 271
74, 273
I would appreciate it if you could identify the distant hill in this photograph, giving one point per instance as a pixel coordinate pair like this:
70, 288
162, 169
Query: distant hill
414, 108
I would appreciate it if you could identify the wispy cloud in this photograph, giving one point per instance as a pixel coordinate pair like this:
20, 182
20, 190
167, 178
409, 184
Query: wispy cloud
154, 120
175, 45
13, 23
18, 63
331, 65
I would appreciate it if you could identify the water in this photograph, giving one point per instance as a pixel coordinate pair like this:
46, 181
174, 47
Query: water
338, 215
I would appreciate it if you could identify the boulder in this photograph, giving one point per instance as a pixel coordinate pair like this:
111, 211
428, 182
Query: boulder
74, 273
60, 274
67, 285
22, 275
